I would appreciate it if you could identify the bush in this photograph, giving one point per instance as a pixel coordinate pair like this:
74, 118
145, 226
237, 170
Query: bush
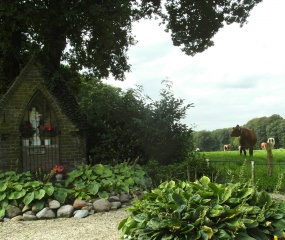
204, 210
193, 167
88, 181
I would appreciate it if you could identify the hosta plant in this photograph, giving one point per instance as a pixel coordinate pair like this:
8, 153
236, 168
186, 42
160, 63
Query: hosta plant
19, 189
99, 180
204, 210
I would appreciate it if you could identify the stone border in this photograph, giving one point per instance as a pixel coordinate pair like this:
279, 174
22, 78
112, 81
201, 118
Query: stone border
79, 208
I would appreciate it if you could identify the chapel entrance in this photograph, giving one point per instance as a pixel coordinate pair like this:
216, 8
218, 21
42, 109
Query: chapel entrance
40, 146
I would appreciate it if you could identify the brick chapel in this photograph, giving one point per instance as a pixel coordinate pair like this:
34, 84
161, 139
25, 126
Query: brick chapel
35, 129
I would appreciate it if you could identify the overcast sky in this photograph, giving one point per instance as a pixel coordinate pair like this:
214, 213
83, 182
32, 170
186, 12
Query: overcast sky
240, 78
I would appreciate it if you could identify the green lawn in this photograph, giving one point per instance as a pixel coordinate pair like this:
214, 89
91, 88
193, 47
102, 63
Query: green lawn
232, 166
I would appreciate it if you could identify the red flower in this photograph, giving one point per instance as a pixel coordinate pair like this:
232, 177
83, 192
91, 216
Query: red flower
47, 127
58, 169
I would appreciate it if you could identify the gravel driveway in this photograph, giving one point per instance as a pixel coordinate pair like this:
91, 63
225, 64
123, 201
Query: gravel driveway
100, 226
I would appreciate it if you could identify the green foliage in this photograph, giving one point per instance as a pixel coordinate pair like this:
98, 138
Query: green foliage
266, 127
194, 166
21, 188
165, 138
128, 124
84, 182
99, 180
43, 174
204, 140
114, 116
96, 35
204, 210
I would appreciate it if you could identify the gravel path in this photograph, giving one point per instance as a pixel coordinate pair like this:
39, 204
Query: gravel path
100, 226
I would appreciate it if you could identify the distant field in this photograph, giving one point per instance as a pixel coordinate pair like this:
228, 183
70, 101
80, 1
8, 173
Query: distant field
232, 166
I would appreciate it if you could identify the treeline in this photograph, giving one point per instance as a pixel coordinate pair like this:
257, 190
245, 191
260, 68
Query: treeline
264, 127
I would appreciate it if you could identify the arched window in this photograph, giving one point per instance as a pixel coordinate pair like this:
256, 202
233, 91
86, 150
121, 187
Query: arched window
39, 135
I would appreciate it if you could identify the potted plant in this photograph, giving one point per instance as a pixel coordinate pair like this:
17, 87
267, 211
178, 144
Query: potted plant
59, 171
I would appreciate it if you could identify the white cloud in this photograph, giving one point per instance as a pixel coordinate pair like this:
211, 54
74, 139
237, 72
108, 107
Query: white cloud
238, 79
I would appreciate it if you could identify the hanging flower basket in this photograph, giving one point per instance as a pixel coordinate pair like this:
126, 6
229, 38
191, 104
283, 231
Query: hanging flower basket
27, 130
47, 131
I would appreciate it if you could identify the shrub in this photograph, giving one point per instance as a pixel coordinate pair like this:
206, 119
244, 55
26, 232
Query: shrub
204, 210
193, 167
99, 180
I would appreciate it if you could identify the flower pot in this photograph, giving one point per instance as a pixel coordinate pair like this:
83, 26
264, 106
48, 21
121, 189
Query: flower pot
59, 176
47, 142
26, 142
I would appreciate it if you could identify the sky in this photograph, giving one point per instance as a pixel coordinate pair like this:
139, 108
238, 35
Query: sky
240, 78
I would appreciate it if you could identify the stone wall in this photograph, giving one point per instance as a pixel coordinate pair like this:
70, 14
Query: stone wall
12, 109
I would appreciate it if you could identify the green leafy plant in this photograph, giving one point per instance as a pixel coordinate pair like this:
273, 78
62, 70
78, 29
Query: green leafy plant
19, 189
43, 174
204, 210
84, 182
99, 180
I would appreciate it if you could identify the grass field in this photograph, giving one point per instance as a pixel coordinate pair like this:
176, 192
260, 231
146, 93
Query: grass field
231, 166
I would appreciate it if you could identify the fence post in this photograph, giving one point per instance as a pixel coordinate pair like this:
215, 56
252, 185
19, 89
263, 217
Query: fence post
207, 161
252, 172
188, 174
269, 159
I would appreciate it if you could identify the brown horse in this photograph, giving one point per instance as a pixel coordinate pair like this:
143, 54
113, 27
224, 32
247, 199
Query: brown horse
247, 138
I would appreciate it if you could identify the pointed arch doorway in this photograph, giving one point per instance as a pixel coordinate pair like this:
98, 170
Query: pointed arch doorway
40, 145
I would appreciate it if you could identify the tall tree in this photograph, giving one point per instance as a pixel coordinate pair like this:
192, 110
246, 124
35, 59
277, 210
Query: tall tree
96, 34
128, 124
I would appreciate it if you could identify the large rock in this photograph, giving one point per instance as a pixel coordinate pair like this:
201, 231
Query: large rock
124, 197
114, 199
78, 204
46, 213
30, 215
81, 213
13, 211
54, 204
65, 211
102, 205
115, 205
